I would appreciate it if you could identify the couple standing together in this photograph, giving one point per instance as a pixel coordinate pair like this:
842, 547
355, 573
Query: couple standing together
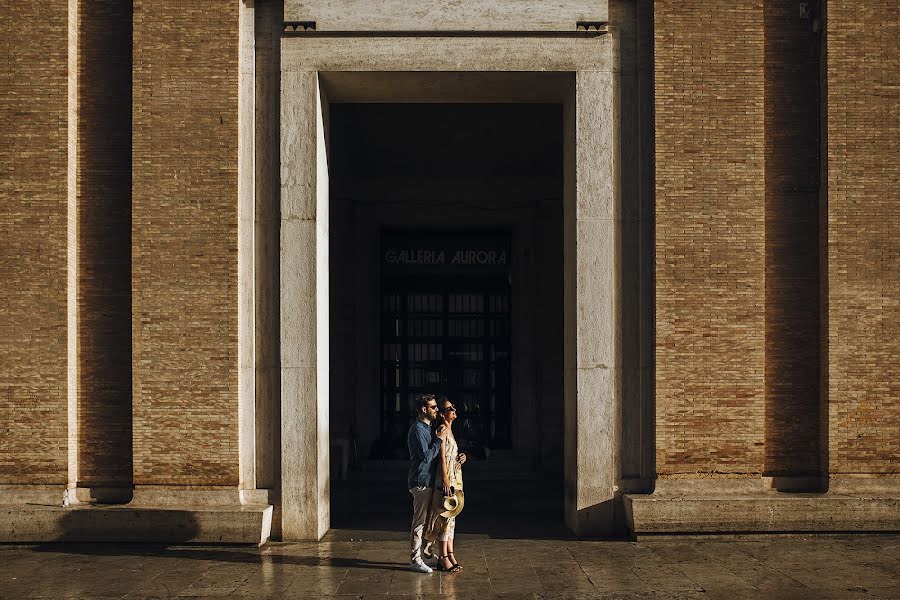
435, 482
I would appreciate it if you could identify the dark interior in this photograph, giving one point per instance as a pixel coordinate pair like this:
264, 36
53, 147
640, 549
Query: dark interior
457, 208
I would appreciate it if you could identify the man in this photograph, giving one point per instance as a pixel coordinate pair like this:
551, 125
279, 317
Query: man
424, 446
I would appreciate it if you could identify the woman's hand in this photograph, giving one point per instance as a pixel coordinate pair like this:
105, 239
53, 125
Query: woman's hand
446, 487
461, 458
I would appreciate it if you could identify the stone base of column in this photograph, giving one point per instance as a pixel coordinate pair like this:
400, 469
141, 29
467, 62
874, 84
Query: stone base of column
99, 494
156, 515
175, 495
736, 507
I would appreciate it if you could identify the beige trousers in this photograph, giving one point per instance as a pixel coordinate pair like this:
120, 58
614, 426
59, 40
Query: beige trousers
421, 499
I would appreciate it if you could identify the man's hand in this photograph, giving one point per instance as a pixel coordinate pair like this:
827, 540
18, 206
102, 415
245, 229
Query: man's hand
442, 432
461, 458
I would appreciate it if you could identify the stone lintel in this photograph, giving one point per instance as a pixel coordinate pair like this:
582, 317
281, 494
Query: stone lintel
446, 54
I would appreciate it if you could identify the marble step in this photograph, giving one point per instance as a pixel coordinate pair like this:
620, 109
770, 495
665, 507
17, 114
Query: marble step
226, 524
659, 514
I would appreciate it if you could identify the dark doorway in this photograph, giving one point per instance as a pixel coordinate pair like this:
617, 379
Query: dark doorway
446, 277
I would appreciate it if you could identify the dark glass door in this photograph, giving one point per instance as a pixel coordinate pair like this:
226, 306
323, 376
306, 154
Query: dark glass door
445, 329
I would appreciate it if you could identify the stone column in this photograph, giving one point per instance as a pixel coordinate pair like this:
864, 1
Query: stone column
592, 361
304, 309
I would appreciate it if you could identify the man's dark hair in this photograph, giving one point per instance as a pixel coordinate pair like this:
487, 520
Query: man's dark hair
423, 400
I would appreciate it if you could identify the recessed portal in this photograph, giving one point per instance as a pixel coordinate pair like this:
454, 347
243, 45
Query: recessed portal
446, 277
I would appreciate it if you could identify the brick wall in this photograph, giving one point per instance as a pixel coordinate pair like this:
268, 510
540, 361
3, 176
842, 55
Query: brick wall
792, 242
33, 167
863, 220
104, 242
184, 242
710, 237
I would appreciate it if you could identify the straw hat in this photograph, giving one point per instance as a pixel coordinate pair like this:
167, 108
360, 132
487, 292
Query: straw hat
452, 505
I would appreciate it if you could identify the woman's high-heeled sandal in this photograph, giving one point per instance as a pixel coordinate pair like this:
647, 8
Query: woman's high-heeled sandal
453, 568
452, 558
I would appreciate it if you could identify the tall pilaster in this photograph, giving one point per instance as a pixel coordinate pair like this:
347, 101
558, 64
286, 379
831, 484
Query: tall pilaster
304, 308
592, 296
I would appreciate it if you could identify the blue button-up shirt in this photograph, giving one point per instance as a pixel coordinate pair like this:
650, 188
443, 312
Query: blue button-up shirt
424, 446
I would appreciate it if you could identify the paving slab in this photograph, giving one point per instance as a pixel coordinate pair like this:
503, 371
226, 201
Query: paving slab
373, 565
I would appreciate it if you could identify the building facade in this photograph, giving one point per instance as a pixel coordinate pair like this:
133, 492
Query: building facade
650, 250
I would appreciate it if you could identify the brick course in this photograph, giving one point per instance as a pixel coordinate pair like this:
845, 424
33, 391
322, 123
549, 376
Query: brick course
863, 220
710, 237
184, 242
33, 235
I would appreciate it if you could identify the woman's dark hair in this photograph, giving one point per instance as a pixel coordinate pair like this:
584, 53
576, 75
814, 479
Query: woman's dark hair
440, 416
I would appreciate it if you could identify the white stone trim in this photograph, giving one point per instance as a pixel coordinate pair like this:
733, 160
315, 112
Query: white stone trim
246, 202
447, 54
72, 349
592, 404
304, 326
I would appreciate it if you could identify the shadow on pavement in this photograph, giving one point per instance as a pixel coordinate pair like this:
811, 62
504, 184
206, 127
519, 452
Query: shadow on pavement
250, 555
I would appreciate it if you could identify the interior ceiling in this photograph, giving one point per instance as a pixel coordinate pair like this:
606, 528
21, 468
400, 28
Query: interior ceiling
445, 140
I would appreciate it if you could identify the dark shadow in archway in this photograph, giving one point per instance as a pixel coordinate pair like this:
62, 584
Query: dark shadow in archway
501, 509
464, 170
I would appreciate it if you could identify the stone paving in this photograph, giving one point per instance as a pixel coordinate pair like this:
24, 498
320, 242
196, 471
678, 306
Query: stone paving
371, 564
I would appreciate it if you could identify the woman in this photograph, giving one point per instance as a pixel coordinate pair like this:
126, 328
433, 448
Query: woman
449, 475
